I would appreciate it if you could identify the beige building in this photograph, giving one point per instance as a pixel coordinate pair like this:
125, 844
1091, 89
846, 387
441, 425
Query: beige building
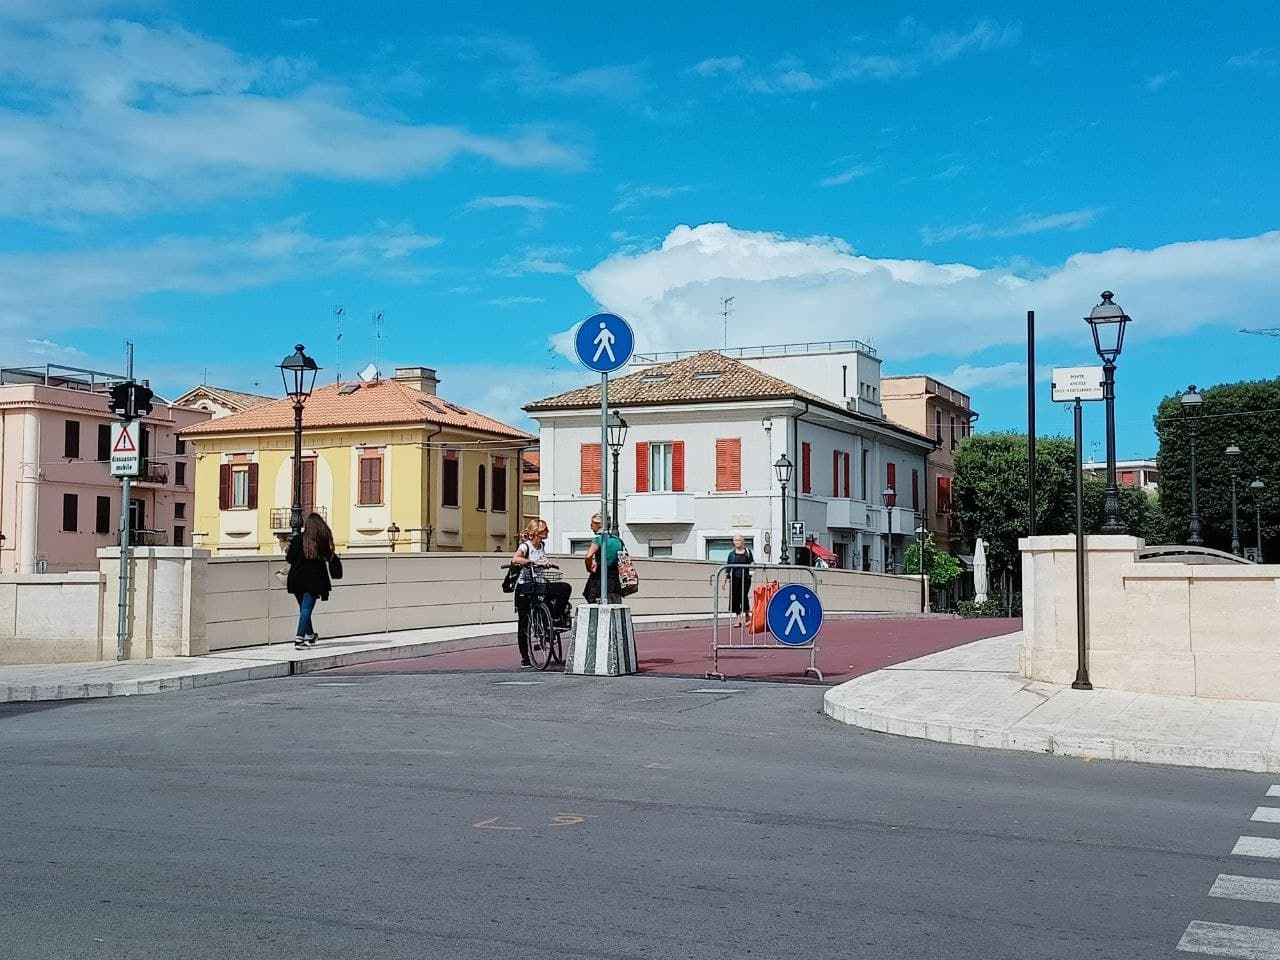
218, 401
943, 413
58, 502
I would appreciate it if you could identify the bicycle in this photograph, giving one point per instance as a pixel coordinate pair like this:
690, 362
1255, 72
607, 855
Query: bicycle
545, 647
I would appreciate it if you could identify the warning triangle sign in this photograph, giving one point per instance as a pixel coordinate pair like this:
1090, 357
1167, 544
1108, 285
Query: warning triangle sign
124, 443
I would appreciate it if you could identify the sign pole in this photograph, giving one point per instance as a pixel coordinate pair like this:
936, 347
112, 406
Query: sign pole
122, 625
1082, 664
605, 519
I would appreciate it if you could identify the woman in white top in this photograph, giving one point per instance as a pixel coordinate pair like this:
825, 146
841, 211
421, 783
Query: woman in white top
529, 556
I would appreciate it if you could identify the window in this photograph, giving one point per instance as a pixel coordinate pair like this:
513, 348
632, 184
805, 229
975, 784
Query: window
449, 466
180, 446
839, 471
589, 468
846, 473
238, 486
179, 511
866, 471
891, 476
179, 536
944, 495
370, 478
102, 520
717, 548
180, 473
308, 485
71, 440
104, 441
666, 466
937, 425
580, 547
915, 489
953, 433
806, 474
729, 465
481, 489
499, 500
1126, 477
70, 512
660, 550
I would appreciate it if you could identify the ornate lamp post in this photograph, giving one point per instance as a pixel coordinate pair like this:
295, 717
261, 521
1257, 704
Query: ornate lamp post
1107, 321
783, 467
1233, 465
299, 374
617, 440
393, 534
1192, 406
1257, 488
921, 534
890, 497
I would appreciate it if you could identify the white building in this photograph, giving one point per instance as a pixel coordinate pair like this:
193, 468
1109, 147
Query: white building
704, 432
1129, 473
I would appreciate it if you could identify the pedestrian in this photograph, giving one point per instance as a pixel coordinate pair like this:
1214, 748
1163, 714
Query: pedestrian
739, 580
531, 558
310, 558
611, 545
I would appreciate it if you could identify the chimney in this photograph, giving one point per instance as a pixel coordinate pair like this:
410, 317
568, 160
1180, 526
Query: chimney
420, 378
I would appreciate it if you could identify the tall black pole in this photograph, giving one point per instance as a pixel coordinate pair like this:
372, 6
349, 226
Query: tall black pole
1235, 517
295, 514
1081, 681
1031, 423
783, 557
924, 590
613, 518
1193, 523
1257, 525
893, 567
1111, 509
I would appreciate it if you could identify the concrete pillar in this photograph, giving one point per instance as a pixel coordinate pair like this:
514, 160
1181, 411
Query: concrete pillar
603, 642
28, 513
167, 591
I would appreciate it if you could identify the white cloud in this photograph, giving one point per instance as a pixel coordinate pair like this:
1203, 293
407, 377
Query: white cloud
997, 377
845, 176
546, 260
119, 117
1158, 81
517, 202
523, 68
514, 301
717, 66
632, 195
795, 289
1067, 220
1256, 61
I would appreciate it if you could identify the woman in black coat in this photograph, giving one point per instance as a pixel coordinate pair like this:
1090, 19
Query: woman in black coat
310, 554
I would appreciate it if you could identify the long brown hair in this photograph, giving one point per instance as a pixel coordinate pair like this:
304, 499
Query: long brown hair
317, 538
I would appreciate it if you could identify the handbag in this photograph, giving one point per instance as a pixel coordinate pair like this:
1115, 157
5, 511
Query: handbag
760, 597
509, 581
282, 574
335, 567
628, 577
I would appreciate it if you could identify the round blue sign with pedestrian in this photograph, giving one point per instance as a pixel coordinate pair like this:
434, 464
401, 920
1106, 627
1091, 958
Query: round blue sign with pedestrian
604, 342
794, 615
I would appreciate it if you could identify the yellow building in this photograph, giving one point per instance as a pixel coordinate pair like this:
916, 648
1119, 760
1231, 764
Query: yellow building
390, 464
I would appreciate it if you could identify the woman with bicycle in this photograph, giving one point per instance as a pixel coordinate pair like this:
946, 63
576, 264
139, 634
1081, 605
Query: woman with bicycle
531, 558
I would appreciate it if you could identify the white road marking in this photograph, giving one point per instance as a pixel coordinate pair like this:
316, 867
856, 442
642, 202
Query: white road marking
1274, 790
517, 683
716, 690
337, 683
1256, 847
1257, 889
1266, 815
1230, 940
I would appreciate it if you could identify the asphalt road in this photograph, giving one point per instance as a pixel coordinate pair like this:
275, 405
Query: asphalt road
455, 816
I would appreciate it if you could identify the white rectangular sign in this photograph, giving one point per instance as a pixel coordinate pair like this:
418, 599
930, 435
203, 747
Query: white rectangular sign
126, 457
1077, 383
797, 533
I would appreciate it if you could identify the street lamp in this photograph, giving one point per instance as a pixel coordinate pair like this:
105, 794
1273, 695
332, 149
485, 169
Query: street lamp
1233, 465
890, 497
393, 534
783, 467
1107, 321
1192, 407
299, 374
920, 543
1257, 487
617, 440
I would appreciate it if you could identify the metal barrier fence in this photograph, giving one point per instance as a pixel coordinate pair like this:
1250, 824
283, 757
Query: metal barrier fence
737, 583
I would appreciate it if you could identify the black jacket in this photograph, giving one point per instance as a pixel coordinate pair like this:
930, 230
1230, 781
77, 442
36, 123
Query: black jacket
307, 576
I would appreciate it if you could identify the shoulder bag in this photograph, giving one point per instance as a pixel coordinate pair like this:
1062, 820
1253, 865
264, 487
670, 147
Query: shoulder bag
628, 578
335, 567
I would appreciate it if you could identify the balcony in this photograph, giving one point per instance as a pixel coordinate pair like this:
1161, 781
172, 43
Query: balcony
146, 538
153, 473
662, 509
846, 514
280, 517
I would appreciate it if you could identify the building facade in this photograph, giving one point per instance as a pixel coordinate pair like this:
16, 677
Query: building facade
697, 467
58, 502
1129, 473
390, 464
220, 402
925, 405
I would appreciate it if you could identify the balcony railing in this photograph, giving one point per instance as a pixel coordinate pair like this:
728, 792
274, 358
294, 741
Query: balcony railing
146, 538
280, 516
152, 471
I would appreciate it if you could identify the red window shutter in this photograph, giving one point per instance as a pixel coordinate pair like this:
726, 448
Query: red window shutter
891, 476
806, 485
835, 473
677, 466
1126, 477
642, 467
944, 494
253, 486
915, 489
846, 474
728, 465
590, 470
224, 487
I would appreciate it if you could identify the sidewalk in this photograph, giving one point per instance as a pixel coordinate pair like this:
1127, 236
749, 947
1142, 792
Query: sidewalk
974, 695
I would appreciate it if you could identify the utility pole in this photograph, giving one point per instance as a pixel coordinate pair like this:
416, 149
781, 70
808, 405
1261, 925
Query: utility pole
725, 303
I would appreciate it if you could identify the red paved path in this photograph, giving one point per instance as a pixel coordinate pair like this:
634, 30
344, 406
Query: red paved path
846, 649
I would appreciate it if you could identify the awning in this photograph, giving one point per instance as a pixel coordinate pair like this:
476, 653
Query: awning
821, 552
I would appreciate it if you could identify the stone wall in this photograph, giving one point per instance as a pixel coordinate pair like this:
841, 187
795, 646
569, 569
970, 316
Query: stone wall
51, 618
1173, 628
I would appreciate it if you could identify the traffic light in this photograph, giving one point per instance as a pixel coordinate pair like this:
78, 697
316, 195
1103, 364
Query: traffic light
130, 400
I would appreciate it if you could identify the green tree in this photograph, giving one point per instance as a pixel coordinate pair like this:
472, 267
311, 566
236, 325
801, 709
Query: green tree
1246, 414
940, 566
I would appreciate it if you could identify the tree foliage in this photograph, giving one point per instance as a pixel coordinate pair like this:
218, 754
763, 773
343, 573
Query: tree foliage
940, 566
990, 495
1246, 414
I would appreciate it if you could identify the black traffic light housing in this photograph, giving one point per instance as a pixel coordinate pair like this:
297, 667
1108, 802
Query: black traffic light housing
131, 400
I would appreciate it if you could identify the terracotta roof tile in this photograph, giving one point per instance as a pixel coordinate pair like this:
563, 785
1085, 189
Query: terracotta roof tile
370, 404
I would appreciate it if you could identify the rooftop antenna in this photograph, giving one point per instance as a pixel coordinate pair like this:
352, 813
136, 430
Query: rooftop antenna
337, 347
725, 303
377, 338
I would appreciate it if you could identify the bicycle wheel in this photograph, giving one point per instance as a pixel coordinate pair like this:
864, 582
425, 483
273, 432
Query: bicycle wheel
541, 637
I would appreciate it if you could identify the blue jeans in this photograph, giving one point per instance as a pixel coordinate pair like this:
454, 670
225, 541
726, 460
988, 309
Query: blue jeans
306, 603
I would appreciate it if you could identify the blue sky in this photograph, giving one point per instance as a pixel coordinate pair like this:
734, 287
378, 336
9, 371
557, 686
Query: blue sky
211, 180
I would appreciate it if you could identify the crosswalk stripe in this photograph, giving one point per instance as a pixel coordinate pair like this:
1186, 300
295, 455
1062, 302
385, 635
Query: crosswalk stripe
1274, 790
1256, 847
1230, 940
1257, 889
1266, 815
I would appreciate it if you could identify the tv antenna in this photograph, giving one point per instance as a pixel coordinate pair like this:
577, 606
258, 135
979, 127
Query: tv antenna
337, 348
725, 304
377, 338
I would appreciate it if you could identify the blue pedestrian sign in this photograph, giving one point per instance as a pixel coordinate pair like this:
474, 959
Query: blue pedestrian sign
604, 342
794, 615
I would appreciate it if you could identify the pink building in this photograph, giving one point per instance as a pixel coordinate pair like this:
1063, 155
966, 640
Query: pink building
58, 501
